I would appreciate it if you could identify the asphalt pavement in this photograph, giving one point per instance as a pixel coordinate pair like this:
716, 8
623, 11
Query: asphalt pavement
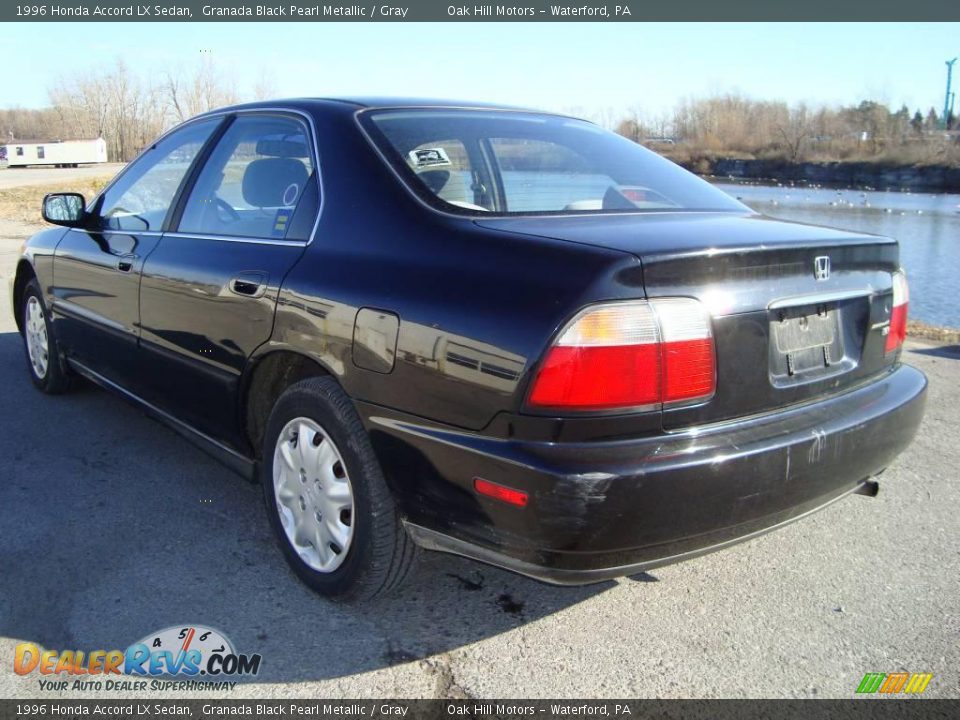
40, 175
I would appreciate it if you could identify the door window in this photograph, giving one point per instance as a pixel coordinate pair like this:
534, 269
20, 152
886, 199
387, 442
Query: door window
253, 181
140, 198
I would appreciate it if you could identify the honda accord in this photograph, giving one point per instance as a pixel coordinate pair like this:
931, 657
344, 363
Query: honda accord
504, 334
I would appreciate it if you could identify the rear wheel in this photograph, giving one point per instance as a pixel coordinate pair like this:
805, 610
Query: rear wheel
46, 367
328, 504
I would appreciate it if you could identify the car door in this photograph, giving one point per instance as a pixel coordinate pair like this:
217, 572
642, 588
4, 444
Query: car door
97, 268
209, 290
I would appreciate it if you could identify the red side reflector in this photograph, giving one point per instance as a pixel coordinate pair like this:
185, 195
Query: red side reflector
500, 492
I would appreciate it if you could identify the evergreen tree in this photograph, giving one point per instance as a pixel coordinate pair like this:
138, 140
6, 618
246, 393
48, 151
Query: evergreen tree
917, 122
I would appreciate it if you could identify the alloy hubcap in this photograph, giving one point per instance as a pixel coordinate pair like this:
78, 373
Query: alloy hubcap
35, 331
313, 493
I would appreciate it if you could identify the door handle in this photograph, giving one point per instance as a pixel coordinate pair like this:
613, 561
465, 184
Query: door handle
249, 284
125, 263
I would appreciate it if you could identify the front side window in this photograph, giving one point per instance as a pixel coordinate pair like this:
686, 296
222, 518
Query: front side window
140, 198
253, 181
504, 162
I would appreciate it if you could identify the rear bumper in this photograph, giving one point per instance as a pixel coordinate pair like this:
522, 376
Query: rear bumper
605, 509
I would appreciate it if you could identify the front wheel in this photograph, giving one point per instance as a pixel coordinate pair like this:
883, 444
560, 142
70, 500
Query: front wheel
327, 501
40, 343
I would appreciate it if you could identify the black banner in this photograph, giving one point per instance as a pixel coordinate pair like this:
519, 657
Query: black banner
444, 10
318, 709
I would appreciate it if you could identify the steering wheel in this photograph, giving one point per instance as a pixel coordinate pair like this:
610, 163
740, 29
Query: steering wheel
228, 208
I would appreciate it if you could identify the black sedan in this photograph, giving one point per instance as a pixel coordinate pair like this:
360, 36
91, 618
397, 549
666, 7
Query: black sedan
504, 334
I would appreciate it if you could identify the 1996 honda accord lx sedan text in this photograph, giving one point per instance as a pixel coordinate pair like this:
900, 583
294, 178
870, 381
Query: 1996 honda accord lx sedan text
504, 334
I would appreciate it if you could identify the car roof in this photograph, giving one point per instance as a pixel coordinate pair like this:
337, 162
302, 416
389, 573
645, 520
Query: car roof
352, 104
380, 101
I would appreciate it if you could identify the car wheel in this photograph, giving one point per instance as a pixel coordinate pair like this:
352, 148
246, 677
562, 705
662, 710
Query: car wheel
47, 370
327, 501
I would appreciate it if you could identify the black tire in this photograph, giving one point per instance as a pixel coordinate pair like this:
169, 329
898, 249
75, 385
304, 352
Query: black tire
380, 553
56, 378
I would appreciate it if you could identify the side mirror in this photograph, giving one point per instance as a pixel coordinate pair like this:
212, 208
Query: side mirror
67, 209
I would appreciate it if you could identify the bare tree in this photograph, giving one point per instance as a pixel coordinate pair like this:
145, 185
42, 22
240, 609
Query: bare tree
266, 86
197, 91
795, 128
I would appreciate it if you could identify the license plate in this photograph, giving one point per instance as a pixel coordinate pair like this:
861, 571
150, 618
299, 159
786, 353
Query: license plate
798, 331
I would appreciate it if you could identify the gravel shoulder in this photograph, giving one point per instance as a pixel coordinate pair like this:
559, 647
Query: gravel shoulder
114, 527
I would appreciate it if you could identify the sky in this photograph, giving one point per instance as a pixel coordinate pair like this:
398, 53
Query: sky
587, 68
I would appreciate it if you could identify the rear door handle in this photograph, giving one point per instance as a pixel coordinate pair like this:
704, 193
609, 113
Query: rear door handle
249, 284
125, 263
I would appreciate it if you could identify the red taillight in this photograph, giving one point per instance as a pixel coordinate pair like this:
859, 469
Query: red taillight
500, 492
897, 331
686, 345
629, 354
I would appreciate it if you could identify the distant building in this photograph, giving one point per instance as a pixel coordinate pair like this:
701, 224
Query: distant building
58, 153
658, 141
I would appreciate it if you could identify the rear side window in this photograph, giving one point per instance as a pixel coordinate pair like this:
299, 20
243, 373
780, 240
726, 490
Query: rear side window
505, 163
253, 181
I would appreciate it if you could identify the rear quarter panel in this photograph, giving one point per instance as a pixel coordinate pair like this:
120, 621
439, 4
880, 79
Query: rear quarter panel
477, 306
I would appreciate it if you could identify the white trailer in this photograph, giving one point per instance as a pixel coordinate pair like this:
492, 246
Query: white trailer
60, 153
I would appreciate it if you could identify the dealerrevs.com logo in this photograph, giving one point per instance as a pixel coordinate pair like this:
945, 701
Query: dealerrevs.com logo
199, 657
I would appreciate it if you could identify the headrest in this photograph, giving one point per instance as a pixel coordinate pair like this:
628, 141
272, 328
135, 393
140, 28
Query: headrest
283, 148
274, 182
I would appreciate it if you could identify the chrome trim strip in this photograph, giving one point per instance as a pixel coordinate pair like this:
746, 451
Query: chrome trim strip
238, 239
433, 540
142, 233
816, 298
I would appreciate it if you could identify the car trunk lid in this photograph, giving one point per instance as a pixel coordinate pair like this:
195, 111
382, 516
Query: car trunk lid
799, 311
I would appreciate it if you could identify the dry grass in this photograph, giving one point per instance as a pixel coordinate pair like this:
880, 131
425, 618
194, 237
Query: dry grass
917, 329
22, 204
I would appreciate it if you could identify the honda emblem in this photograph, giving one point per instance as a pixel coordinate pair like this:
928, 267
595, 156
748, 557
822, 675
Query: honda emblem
821, 267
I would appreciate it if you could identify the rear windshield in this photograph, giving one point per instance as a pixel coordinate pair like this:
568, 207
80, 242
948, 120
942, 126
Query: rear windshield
507, 163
